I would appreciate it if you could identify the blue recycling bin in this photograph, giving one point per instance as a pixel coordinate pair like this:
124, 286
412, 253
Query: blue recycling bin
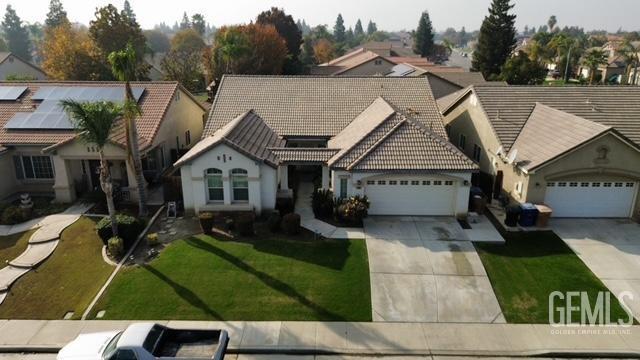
528, 215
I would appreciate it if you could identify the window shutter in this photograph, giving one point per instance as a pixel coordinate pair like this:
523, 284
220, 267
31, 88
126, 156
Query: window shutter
17, 162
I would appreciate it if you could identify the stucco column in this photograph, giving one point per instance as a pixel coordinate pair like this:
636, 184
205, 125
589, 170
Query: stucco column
284, 177
325, 177
63, 187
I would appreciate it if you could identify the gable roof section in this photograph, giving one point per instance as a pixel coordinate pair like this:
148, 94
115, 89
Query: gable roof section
460, 78
154, 103
5, 55
535, 147
317, 105
303, 155
408, 146
509, 107
247, 133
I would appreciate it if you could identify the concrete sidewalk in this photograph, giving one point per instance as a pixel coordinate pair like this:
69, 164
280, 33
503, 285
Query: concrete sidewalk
358, 338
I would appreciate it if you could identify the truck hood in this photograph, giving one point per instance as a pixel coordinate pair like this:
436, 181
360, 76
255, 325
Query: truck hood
87, 346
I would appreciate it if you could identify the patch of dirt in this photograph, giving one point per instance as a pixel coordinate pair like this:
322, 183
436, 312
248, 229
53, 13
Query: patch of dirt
524, 302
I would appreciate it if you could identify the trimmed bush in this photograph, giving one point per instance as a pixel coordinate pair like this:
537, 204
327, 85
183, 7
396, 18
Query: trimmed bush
284, 206
354, 209
206, 222
115, 246
152, 239
291, 224
244, 224
129, 228
14, 215
273, 221
322, 203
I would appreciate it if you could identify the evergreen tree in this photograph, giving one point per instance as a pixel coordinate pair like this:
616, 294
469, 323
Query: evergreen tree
423, 44
127, 11
358, 30
371, 28
56, 15
199, 24
496, 41
463, 37
339, 30
16, 34
185, 23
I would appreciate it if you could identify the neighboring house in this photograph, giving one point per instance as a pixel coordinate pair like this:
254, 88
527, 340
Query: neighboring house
445, 83
13, 66
40, 151
360, 62
395, 46
376, 136
573, 148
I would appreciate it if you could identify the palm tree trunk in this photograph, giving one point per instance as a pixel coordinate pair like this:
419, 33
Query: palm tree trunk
591, 76
134, 153
107, 187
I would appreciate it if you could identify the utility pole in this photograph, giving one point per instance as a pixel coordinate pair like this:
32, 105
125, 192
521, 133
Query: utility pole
566, 70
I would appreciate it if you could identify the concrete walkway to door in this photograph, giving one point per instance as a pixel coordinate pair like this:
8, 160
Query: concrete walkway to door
425, 269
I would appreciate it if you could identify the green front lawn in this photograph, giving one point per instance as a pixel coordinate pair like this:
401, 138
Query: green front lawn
66, 281
13, 245
529, 267
269, 277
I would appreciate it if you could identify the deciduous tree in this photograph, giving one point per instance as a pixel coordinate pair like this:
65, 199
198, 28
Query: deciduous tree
521, 70
157, 41
289, 31
68, 54
323, 51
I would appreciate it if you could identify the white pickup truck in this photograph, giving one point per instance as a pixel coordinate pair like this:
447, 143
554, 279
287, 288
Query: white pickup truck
148, 341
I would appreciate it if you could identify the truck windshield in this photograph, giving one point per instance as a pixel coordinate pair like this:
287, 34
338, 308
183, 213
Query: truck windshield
111, 348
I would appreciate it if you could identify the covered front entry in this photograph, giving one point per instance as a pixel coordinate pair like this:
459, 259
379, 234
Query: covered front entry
411, 195
602, 199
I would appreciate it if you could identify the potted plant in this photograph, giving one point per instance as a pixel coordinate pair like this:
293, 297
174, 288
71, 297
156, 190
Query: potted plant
206, 222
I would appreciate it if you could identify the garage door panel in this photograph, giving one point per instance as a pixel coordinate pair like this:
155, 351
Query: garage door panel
411, 197
612, 199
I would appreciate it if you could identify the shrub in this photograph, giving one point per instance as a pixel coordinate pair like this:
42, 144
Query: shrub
152, 239
129, 228
273, 221
284, 206
322, 203
206, 222
291, 224
354, 209
115, 246
244, 224
13, 215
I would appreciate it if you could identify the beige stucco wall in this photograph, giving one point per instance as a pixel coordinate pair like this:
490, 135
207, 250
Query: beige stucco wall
26, 185
9, 181
370, 68
183, 114
15, 66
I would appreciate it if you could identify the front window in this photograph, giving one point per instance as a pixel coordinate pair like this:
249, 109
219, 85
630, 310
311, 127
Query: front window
214, 185
34, 167
477, 151
240, 184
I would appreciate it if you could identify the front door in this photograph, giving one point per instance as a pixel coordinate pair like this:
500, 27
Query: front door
94, 174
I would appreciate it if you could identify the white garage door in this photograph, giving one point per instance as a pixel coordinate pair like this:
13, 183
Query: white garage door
612, 199
411, 196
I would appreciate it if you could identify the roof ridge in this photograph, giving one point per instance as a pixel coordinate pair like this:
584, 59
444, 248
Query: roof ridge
377, 143
440, 140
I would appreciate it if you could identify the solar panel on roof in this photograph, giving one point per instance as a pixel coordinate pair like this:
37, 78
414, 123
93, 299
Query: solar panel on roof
11, 93
50, 115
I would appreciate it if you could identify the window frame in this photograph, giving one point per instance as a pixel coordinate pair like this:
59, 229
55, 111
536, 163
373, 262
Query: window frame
29, 172
215, 172
477, 153
462, 141
344, 187
239, 173
187, 137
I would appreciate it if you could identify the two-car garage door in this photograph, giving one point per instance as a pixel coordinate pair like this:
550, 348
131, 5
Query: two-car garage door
411, 196
613, 199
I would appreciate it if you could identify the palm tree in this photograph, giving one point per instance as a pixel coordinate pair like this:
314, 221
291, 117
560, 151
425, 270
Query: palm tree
93, 121
592, 60
629, 53
123, 66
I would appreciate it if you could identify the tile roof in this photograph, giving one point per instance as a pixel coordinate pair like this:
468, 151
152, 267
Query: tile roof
461, 78
247, 133
154, 104
408, 146
304, 155
317, 105
509, 107
534, 146
346, 62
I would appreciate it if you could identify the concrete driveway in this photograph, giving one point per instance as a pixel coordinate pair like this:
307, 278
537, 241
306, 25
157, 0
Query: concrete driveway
427, 270
610, 248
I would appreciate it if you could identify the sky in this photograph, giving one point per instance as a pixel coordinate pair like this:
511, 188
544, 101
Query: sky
387, 14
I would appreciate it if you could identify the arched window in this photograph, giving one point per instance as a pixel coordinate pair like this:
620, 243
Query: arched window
214, 184
240, 185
